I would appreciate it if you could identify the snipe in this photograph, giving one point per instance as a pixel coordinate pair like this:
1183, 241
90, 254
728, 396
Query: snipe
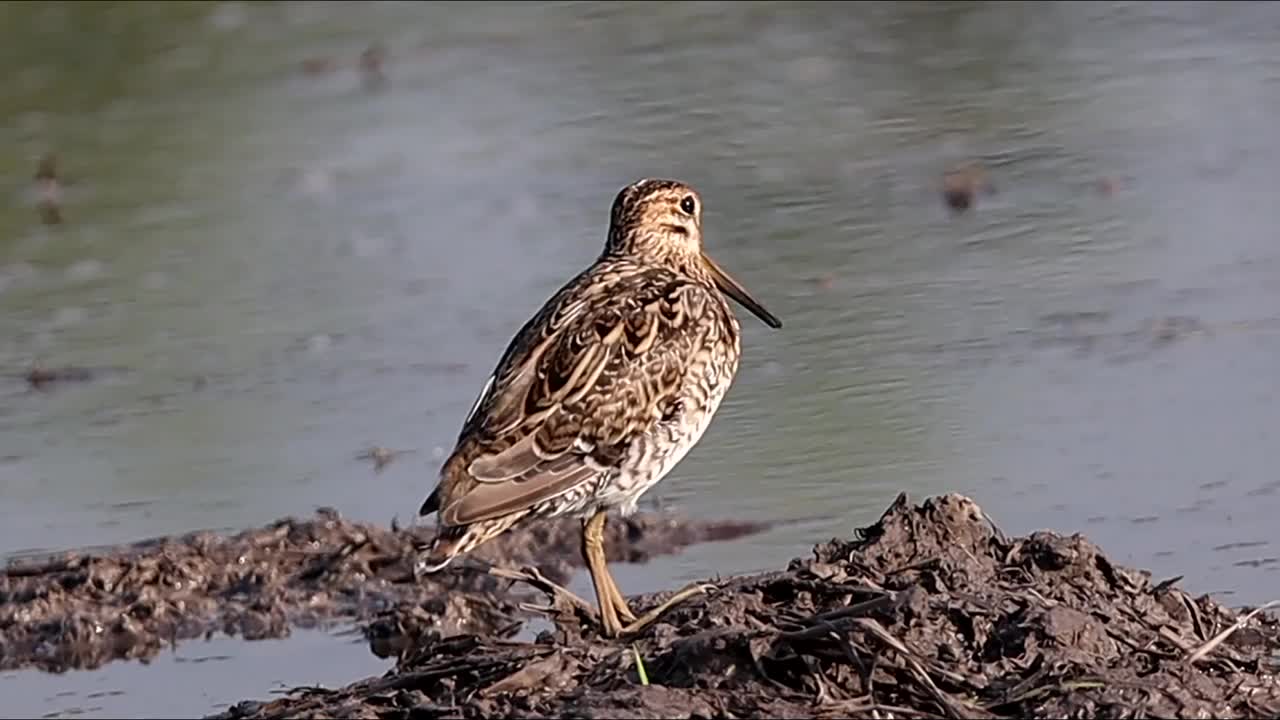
601, 393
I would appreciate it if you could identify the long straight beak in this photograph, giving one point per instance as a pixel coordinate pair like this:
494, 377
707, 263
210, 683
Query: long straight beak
734, 289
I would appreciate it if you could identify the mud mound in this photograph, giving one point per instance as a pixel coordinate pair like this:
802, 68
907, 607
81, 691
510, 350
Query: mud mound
82, 610
931, 612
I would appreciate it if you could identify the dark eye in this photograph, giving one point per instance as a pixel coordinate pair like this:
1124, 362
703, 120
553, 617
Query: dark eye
688, 204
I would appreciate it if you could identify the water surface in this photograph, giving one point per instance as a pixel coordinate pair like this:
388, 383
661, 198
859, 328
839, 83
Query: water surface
281, 264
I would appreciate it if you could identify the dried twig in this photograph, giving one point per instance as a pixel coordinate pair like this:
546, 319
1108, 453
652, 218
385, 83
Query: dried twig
823, 623
1218, 639
954, 708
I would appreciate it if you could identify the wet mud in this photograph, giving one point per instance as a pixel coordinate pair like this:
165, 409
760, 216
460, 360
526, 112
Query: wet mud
931, 612
79, 610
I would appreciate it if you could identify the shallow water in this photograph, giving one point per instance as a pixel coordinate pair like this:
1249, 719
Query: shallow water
277, 266
198, 677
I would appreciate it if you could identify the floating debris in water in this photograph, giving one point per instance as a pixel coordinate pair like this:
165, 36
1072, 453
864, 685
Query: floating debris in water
381, 456
39, 375
1167, 328
961, 185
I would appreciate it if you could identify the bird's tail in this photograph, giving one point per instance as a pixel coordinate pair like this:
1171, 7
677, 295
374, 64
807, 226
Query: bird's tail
452, 541
437, 555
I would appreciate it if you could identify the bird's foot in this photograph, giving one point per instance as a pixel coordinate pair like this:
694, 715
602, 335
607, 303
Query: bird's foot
636, 625
618, 600
625, 613
562, 599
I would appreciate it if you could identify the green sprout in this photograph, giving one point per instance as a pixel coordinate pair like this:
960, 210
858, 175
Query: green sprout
644, 676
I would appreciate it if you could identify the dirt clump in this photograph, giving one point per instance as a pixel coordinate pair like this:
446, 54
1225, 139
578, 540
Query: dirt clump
931, 612
79, 610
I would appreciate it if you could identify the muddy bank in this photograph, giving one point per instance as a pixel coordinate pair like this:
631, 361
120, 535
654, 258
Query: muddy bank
931, 612
80, 610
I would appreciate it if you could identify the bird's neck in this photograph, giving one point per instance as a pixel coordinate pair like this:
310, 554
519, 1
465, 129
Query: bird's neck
685, 264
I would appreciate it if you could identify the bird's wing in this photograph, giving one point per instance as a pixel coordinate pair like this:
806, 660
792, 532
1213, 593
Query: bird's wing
597, 367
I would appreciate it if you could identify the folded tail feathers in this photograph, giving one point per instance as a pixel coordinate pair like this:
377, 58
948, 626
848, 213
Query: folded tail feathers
454, 540
431, 504
437, 555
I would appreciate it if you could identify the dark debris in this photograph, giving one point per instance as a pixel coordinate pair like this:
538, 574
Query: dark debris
81, 610
929, 613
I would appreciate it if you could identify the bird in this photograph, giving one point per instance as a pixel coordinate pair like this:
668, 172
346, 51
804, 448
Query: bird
601, 393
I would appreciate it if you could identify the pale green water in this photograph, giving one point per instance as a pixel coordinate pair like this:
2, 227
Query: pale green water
291, 268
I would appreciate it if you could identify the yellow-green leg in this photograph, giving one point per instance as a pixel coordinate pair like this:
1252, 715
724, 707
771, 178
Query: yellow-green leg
613, 606
620, 605
592, 554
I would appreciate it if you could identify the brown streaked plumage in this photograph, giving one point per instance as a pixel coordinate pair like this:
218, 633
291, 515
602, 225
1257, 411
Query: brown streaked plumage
602, 392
